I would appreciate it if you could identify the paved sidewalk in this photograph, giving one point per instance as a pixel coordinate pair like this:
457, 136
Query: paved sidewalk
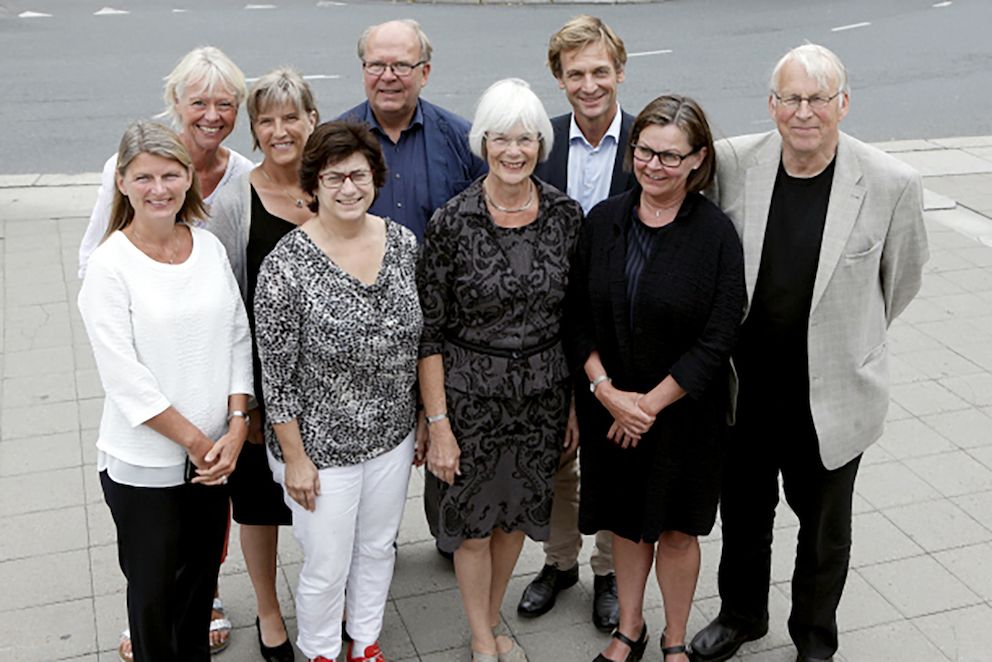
921, 581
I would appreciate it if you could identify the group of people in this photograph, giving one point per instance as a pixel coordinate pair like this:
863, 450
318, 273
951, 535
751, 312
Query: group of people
597, 323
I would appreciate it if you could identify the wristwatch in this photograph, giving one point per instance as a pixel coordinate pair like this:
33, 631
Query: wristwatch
596, 382
239, 414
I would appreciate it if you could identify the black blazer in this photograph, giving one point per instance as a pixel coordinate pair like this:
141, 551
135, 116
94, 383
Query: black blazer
555, 170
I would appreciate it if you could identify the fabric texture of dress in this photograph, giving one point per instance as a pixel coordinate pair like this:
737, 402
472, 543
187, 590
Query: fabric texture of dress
494, 314
686, 311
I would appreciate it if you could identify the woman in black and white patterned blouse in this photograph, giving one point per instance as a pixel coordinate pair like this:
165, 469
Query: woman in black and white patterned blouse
337, 325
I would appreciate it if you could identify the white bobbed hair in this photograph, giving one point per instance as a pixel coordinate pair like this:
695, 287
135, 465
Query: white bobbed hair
206, 64
821, 63
508, 103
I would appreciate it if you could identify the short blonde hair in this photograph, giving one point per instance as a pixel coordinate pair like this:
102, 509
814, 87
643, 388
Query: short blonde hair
206, 64
505, 104
280, 86
579, 33
147, 137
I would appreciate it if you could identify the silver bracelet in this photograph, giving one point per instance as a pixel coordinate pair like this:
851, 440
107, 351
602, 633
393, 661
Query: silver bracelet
437, 418
237, 413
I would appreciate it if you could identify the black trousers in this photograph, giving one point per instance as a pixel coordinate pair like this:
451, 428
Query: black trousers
763, 443
169, 545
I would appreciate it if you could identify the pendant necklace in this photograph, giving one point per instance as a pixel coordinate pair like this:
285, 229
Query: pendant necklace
295, 200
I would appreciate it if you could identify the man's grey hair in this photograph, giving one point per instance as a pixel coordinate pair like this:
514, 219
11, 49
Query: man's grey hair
821, 63
425, 43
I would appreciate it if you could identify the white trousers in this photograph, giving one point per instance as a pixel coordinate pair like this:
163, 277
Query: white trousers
347, 543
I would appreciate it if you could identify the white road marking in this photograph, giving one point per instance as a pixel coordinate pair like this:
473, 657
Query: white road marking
110, 11
942, 4
260, 6
179, 11
663, 51
33, 14
331, 3
310, 77
852, 26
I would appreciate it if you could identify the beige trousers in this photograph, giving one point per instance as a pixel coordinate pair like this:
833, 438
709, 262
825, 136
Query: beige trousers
563, 545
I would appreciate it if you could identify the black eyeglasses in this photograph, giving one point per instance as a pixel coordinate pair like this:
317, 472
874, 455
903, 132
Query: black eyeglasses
668, 158
335, 180
401, 69
815, 102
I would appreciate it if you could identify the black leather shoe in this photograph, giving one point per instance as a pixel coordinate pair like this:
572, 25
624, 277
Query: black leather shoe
807, 658
605, 605
539, 596
719, 640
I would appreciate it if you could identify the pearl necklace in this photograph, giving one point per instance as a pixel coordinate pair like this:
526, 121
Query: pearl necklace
511, 210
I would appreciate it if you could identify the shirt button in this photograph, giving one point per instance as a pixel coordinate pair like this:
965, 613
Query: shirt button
397, 175
399, 204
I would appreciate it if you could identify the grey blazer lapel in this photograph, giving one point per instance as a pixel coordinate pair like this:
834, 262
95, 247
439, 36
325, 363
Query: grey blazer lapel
847, 192
759, 184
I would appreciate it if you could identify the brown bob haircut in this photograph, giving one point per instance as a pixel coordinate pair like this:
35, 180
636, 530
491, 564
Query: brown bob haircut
333, 142
688, 116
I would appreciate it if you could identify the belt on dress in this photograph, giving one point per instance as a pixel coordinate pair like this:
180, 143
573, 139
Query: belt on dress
522, 353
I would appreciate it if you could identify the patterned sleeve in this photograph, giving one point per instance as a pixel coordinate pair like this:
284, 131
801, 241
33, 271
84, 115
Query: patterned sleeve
434, 276
278, 325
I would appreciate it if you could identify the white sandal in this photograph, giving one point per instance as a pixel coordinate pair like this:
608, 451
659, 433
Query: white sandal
220, 625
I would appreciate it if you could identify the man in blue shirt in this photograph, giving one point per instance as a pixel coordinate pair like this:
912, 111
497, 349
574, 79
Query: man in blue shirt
425, 146
587, 58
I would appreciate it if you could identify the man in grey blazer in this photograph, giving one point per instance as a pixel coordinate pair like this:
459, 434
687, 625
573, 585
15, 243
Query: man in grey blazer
587, 58
834, 247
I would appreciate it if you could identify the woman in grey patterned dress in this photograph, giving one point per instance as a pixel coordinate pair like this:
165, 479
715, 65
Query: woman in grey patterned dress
338, 323
493, 375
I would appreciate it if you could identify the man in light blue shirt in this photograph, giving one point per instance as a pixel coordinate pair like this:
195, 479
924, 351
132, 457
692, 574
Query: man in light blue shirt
587, 58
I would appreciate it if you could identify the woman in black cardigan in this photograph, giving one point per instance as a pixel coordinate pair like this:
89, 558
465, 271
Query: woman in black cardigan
655, 300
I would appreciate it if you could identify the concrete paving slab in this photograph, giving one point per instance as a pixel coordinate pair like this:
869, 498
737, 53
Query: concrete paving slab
18, 181
981, 152
933, 201
932, 590
50, 632
892, 641
953, 473
928, 397
970, 564
29, 493
875, 539
967, 428
39, 533
945, 162
48, 202
912, 438
77, 179
962, 635
962, 142
39, 454
897, 146
39, 389
892, 484
862, 606
39, 420
937, 525
46, 579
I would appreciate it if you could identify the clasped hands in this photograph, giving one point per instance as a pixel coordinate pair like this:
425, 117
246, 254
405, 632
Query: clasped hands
438, 448
632, 417
215, 461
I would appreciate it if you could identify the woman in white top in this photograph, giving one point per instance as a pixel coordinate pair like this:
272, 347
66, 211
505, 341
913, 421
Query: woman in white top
170, 337
202, 96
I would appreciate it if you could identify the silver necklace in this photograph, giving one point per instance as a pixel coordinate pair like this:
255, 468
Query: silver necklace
146, 246
511, 210
661, 209
295, 200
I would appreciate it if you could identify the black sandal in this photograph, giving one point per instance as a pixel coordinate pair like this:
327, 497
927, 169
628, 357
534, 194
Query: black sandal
636, 647
678, 649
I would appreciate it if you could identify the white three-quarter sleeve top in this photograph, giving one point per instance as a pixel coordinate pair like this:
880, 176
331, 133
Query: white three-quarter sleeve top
163, 335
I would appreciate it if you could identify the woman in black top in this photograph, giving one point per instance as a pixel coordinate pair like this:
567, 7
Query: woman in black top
270, 203
655, 299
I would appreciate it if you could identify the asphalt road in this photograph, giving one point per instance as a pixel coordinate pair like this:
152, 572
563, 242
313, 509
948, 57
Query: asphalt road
71, 81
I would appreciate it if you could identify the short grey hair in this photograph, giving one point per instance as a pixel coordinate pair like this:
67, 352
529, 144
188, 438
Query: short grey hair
505, 104
821, 63
206, 64
425, 44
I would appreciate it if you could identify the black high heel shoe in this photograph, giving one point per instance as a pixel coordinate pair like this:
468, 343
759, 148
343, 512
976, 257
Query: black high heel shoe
281, 653
678, 649
636, 647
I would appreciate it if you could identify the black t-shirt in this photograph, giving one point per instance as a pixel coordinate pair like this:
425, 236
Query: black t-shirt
772, 350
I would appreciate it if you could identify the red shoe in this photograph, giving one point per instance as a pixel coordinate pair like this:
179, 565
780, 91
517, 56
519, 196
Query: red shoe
321, 658
372, 654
